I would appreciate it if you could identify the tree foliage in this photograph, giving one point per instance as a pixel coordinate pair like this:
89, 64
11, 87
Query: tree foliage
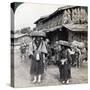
26, 30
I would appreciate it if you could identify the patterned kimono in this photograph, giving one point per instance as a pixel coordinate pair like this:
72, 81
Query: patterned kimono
64, 65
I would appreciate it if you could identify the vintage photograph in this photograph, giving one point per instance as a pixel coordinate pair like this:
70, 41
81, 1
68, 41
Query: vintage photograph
49, 44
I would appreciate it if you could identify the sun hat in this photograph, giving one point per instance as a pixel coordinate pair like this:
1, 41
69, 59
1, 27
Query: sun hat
37, 33
64, 43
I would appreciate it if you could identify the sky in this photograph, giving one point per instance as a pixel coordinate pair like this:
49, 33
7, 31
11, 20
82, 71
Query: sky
27, 13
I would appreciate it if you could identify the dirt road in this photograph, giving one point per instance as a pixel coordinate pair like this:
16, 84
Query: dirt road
51, 76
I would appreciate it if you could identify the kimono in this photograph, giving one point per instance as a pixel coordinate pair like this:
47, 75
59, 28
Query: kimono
64, 65
23, 51
38, 57
77, 57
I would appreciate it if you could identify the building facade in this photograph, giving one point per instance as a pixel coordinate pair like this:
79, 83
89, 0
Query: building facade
66, 23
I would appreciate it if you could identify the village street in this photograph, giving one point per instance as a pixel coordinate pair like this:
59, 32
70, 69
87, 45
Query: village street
51, 76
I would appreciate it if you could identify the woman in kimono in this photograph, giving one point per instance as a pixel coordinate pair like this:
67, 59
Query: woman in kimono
64, 62
38, 57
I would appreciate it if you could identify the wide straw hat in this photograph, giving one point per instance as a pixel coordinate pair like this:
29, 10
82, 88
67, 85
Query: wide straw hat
37, 33
64, 43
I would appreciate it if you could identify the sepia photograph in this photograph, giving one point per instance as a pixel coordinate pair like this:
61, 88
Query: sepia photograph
49, 44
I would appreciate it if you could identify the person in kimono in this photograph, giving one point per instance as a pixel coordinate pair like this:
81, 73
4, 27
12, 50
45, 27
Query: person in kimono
23, 51
77, 56
38, 58
64, 63
72, 54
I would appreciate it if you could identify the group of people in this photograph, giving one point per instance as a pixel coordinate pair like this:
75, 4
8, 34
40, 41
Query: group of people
39, 56
39, 51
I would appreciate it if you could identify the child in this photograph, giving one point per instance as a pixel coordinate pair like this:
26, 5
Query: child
64, 62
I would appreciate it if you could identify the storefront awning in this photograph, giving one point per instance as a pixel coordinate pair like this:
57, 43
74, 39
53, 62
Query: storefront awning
76, 27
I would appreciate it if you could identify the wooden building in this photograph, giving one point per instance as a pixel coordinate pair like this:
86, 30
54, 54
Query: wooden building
66, 23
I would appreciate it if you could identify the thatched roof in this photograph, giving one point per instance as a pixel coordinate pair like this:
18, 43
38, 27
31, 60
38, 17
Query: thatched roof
43, 18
